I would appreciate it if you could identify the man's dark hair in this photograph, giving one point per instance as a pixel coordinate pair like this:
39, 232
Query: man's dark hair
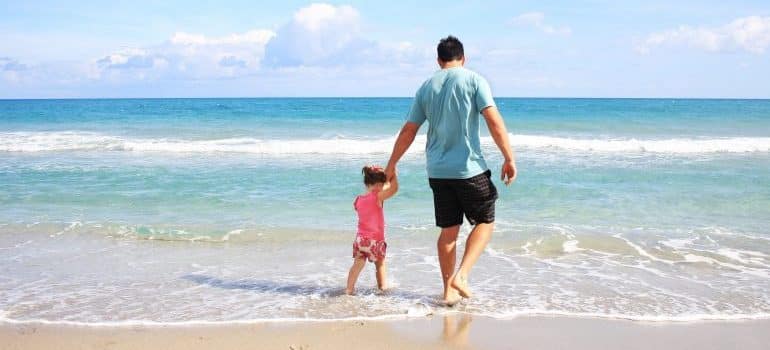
450, 49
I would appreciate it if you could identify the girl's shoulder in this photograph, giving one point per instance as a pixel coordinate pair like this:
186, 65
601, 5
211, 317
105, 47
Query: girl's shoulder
365, 195
361, 196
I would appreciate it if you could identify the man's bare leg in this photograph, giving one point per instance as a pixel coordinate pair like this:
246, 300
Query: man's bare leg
474, 246
447, 256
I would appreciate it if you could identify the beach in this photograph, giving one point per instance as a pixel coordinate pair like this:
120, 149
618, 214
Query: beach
137, 222
440, 332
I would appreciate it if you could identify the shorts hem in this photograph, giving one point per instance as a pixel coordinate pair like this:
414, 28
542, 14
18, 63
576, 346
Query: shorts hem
476, 222
449, 225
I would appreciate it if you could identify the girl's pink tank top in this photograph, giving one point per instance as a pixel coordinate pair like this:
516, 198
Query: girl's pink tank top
371, 220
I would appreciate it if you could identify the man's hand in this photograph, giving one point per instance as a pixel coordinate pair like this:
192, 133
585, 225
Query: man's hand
390, 172
508, 173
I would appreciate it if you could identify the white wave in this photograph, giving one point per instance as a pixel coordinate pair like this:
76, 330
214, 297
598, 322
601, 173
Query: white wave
499, 255
87, 141
90, 141
419, 310
72, 226
675, 146
571, 246
643, 252
695, 317
226, 237
644, 318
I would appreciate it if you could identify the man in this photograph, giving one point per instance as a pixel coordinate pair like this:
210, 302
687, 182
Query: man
451, 101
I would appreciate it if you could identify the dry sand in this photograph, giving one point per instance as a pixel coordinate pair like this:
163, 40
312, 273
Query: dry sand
438, 332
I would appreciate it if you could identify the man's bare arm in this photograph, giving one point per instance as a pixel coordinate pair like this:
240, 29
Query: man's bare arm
403, 141
499, 133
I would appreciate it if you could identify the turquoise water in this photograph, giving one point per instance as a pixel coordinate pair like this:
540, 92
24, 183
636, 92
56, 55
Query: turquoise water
240, 209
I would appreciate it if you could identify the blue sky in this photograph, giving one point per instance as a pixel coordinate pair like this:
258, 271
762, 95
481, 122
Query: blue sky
298, 48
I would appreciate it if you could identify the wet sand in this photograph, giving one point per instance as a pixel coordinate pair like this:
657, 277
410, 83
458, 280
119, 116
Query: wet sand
456, 331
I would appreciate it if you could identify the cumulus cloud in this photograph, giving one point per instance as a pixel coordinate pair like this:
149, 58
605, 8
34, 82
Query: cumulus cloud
130, 59
188, 55
253, 37
537, 20
232, 61
319, 34
750, 34
317, 38
11, 70
8, 64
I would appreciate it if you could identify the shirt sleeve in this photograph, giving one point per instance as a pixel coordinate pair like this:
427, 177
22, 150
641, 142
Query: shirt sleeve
483, 95
417, 113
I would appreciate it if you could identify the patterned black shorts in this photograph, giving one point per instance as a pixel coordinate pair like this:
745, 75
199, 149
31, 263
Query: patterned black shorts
475, 197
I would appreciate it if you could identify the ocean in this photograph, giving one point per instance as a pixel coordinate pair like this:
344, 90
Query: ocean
166, 211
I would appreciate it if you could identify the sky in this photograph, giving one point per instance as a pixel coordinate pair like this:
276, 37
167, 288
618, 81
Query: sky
139, 48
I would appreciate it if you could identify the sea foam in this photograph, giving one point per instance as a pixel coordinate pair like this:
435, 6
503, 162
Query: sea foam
61, 141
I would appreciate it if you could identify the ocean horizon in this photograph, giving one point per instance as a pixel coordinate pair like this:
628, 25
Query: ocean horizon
386, 97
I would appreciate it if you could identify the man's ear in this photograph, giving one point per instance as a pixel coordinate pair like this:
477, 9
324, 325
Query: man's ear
439, 61
462, 61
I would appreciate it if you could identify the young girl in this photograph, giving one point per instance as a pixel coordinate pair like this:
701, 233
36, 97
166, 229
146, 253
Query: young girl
370, 239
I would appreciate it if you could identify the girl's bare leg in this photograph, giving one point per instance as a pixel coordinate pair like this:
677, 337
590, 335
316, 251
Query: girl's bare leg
355, 270
381, 274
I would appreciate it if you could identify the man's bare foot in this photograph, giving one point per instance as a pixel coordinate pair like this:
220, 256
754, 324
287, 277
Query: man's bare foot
452, 301
349, 291
451, 297
460, 283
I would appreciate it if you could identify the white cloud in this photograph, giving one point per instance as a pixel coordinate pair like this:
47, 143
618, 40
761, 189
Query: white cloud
8, 64
318, 16
318, 43
751, 34
319, 34
187, 55
11, 70
130, 59
232, 61
258, 37
537, 21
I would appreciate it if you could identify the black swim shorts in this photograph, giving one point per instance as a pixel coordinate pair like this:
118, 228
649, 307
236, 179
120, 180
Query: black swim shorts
474, 197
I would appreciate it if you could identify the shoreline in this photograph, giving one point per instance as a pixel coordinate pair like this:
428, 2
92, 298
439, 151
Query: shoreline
461, 331
699, 318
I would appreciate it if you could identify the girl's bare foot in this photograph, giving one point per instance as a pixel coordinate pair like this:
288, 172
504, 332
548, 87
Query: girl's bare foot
349, 291
460, 283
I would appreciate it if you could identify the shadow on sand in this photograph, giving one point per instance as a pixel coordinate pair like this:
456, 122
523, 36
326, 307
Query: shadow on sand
265, 286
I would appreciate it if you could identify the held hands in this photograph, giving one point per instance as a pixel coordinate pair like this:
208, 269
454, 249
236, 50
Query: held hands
508, 173
390, 172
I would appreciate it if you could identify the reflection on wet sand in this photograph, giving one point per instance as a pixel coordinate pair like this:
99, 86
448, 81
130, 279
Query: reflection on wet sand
456, 329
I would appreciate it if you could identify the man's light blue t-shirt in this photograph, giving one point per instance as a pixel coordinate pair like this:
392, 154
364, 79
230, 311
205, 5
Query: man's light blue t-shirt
451, 101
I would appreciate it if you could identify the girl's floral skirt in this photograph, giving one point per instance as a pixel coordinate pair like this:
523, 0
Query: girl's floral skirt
368, 248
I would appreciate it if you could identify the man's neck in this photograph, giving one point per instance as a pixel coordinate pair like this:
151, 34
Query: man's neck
452, 64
